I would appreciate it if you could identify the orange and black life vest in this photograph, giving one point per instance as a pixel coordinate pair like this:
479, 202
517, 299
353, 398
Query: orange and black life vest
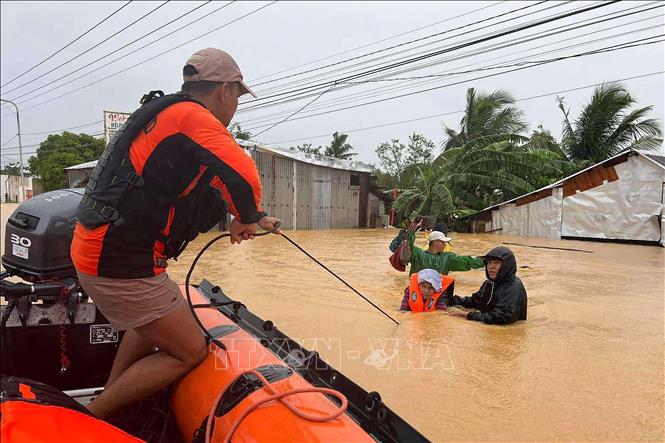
417, 302
32, 412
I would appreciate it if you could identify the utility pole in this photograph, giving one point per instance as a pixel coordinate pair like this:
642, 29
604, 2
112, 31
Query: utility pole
20, 150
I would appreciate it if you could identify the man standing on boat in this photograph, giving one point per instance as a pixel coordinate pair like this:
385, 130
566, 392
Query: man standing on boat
163, 179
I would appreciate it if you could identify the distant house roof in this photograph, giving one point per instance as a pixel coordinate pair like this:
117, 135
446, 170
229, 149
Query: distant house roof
87, 165
319, 160
314, 159
657, 159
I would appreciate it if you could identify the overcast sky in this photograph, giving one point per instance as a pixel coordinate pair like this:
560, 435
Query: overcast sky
286, 35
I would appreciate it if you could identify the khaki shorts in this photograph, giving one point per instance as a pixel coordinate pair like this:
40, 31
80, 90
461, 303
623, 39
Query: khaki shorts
130, 303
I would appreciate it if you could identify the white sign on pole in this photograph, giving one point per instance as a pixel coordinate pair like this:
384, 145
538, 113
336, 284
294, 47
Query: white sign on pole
112, 122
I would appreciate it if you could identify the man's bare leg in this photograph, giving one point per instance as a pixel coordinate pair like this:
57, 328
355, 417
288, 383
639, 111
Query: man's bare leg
132, 348
182, 347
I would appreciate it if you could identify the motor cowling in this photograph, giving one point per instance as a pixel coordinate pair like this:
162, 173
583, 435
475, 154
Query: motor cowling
38, 236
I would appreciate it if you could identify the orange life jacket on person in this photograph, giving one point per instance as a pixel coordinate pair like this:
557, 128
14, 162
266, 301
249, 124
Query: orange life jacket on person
33, 412
417, 302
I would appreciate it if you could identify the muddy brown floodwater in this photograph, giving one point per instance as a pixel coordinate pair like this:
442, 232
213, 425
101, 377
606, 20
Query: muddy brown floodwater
587, 365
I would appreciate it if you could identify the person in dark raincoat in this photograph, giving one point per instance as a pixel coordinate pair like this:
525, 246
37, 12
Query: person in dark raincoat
501, 299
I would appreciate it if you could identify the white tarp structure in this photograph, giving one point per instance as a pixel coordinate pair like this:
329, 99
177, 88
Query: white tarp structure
513, 219
544, 216
662, 219
622, 198
626, 209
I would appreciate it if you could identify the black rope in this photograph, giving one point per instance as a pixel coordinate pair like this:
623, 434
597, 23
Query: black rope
192, 306
338, 277
8, 311
212, 304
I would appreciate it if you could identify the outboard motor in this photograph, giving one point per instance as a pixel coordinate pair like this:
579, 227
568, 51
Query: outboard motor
50, 330
39, 235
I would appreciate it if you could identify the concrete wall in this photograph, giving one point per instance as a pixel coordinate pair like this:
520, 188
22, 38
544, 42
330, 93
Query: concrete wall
10, 189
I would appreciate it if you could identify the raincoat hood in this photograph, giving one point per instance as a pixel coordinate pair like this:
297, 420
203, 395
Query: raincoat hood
508, 264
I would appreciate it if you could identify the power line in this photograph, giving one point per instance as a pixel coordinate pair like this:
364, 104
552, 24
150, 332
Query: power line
388, 89
460, 111
38, 144
405, 94
5, 143
421, 66
296, 95
68, 44
398, 45
111, 62
538, 62
376, 61
361, 56
378, 41
99, 68
149, 59
110, 53
55, 131
309, 89
309, 103
90, 48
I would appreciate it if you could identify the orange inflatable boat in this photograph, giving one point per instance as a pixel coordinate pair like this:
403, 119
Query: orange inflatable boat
256, 385
227, 384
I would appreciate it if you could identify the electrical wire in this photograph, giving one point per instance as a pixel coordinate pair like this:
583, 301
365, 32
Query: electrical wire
67, 45
90, 48
376, 42
460, 111
99, 68
318, 77
401, 44
390, 88
419, 91
108, 54
291, 115
264, 94
39, 144
310, 89
55, 131
151, 58
7, 142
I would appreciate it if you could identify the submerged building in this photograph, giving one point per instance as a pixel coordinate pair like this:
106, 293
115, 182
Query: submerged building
621, 198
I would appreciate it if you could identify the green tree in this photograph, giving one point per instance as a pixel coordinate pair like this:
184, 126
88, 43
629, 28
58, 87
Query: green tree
308, 149
392, 156
488, 118
461, 178
60, 151
399, 160
237, 132
339, 148
14, 169
607, 125
542, 140
419, 150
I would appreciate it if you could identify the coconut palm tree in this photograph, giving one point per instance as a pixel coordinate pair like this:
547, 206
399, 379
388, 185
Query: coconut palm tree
463, 178
607, 126
338, 147
488, 118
